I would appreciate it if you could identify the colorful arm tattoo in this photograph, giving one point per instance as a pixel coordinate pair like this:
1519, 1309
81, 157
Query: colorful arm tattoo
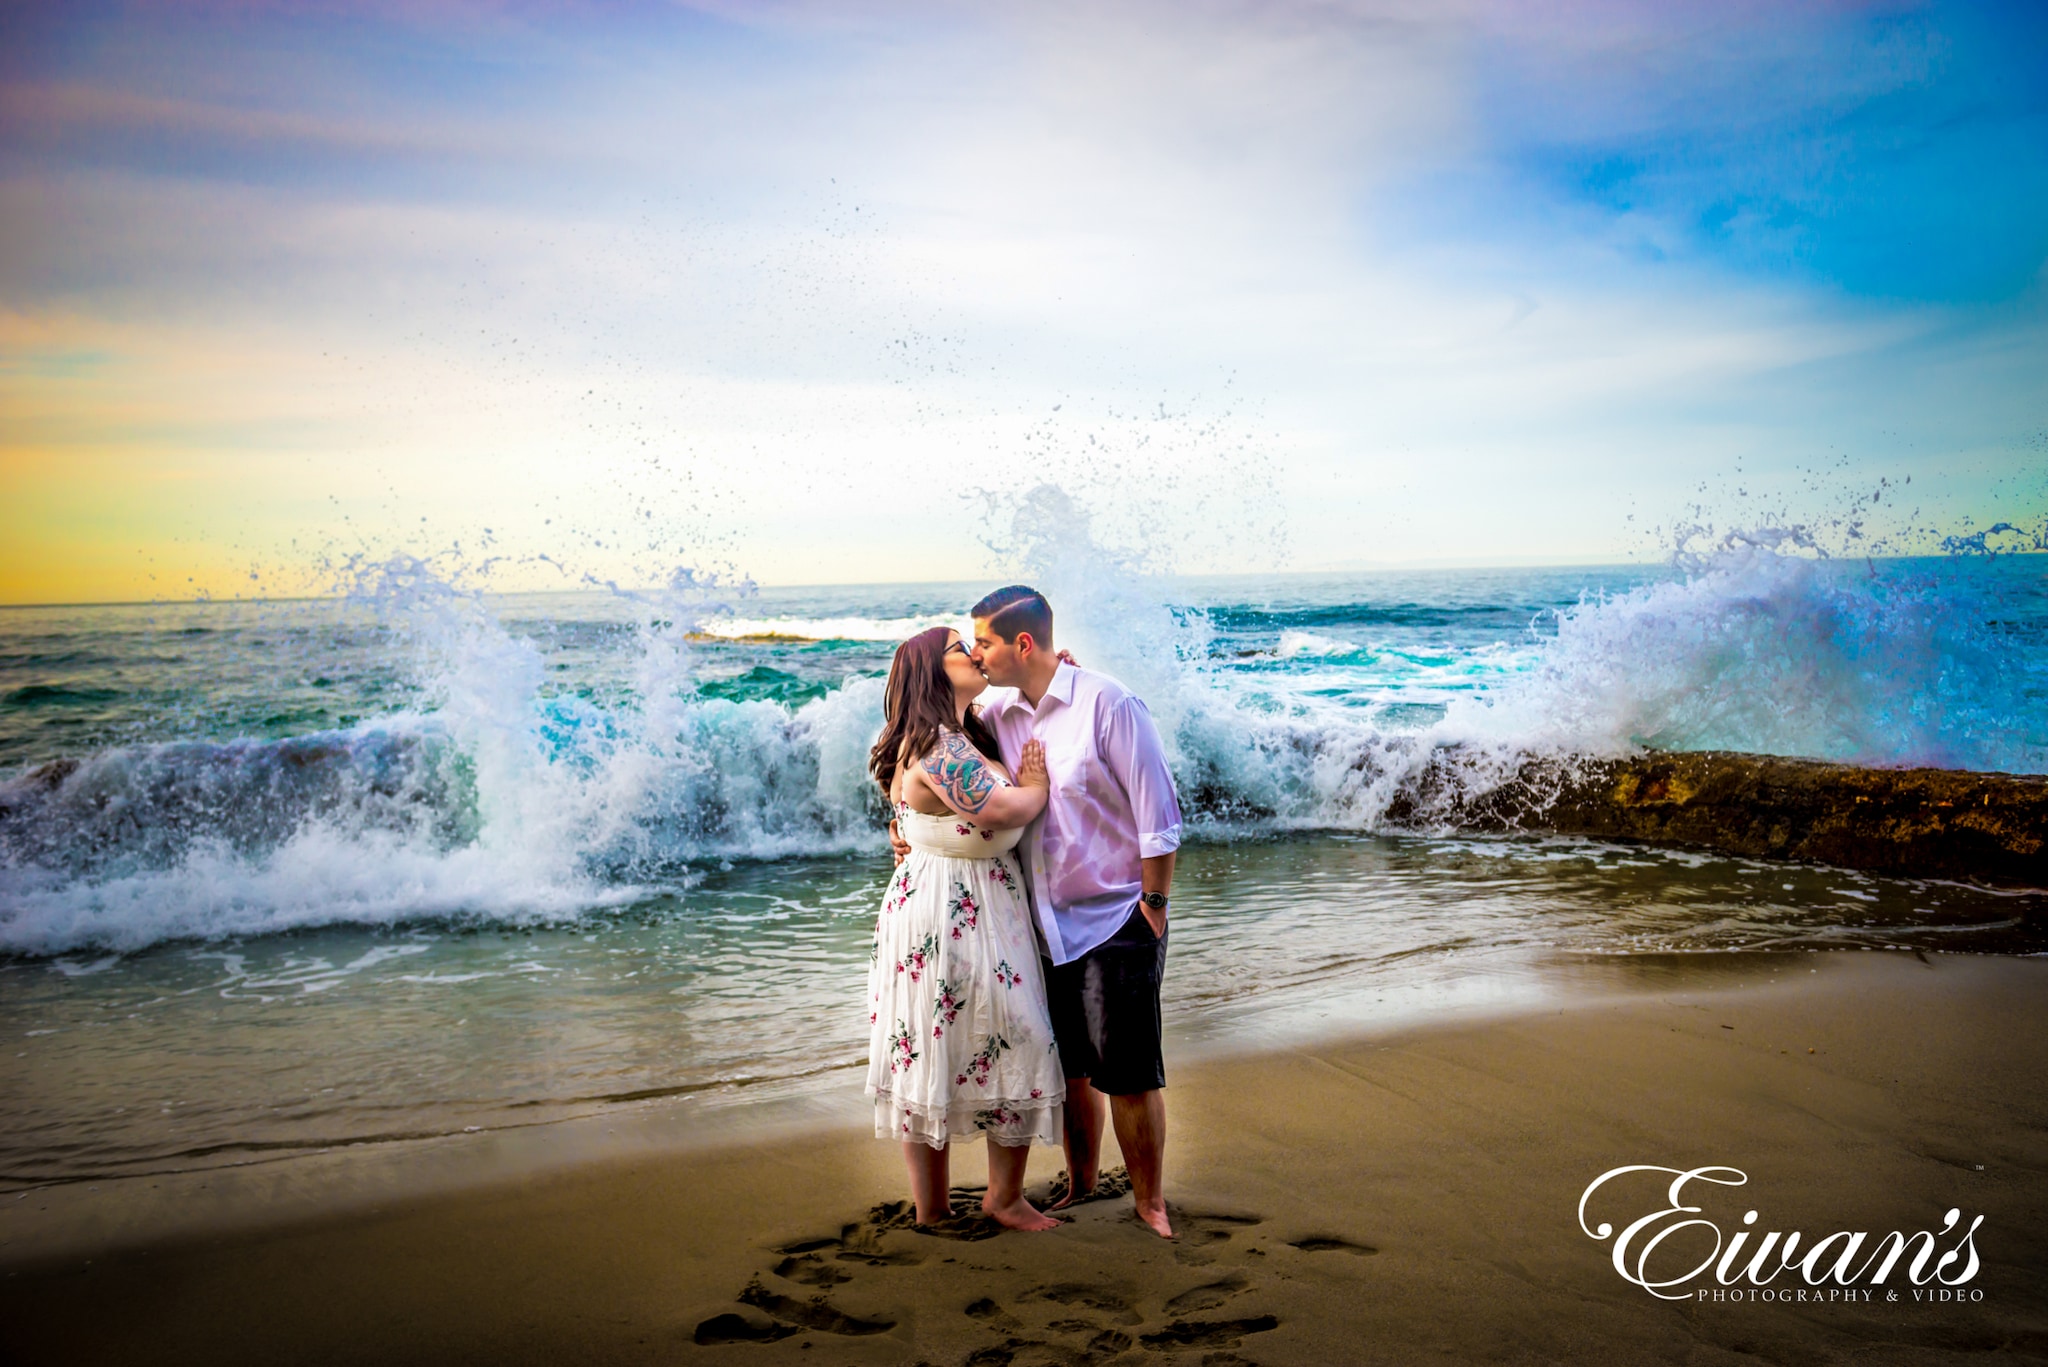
959, 774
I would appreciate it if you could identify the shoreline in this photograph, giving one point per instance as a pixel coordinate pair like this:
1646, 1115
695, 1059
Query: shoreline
1406, 1195
300, 1184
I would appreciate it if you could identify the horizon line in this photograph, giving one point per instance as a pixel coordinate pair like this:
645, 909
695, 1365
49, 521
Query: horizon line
1360, 568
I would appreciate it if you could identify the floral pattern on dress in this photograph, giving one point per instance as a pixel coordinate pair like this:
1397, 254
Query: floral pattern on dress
963, 913
983, 1062
901, 1055
1006, 975
945, 1007
900, 892
913, 964
999, 874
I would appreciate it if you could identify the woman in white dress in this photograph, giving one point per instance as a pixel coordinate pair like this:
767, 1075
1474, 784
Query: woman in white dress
960, 1042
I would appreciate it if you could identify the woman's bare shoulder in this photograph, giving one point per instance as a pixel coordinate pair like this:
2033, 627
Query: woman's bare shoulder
916, 788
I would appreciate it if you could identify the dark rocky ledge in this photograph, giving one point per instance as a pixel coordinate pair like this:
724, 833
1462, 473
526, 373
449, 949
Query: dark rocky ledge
1920, 823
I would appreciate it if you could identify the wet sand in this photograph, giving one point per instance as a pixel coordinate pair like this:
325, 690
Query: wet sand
1407, 1197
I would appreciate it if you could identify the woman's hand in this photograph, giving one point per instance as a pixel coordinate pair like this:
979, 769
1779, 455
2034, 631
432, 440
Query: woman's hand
1031, 766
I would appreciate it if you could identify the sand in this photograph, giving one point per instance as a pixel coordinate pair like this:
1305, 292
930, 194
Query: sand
1403, 1198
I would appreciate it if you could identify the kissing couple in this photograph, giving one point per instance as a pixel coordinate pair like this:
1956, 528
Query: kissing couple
1021, 943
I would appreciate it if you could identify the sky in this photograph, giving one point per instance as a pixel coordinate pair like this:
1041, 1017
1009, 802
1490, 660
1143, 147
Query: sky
812, 293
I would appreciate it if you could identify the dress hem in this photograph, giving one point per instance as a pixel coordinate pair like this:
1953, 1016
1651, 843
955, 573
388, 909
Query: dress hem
1029, 1120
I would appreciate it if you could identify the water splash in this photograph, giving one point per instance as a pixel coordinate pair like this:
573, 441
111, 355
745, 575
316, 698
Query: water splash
496, 797
1755, 640
1758, 648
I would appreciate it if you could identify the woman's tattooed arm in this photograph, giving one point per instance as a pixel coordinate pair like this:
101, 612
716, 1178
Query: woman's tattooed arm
959, 774
972, 785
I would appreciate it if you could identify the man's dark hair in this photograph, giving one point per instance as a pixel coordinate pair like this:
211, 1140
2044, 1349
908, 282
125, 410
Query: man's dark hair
1014, 610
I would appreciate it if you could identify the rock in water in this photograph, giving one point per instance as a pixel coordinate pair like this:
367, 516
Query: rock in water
1920, 823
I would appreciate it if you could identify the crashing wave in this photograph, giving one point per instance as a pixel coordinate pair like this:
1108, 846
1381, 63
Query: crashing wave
499, 800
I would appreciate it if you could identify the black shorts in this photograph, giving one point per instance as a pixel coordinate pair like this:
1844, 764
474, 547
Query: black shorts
1105, 1010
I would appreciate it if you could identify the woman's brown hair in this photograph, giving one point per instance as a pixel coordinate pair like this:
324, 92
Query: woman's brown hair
917, 704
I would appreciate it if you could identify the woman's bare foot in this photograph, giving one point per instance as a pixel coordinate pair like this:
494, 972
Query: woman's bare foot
1154, 1216
1020, 1214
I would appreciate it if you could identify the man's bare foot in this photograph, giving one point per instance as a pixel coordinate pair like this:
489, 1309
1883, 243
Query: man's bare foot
1076, 1192
1019, 1214
1155, 1216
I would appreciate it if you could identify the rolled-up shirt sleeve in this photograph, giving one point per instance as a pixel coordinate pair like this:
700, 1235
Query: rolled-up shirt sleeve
1131, 748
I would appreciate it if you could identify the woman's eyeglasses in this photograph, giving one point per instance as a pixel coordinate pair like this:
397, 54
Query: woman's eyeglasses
959, 646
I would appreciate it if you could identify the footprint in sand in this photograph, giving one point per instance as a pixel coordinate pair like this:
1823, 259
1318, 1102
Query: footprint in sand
1207, 1297
737, 1328
816, 1313
991, 1314
1023, 1352
810, 1270
863, 1240
1017, 1351
1209, 1227
1208, 1333
1330, 1243
1199, 1231
1108, 1344
822, 1262
969, 1224
1088, 1297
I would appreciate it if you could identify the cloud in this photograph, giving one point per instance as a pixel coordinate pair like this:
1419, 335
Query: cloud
1450, 274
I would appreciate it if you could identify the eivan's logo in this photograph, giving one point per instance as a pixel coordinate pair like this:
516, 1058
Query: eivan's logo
1647, 1253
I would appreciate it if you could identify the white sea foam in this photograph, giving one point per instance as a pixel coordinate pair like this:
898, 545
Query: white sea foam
1758, 650
1295, 645
1754, 649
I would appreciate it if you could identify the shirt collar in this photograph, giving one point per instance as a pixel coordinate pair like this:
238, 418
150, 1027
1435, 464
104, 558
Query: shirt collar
1062, 686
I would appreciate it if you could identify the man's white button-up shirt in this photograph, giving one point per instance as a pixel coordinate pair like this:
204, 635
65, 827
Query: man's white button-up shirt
1112, 803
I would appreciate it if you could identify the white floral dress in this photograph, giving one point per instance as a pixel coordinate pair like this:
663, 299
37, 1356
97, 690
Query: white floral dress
960, 1044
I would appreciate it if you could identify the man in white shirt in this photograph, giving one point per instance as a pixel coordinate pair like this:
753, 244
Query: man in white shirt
1100, 865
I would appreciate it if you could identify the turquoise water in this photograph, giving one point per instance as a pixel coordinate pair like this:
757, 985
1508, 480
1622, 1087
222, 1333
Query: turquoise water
284, 876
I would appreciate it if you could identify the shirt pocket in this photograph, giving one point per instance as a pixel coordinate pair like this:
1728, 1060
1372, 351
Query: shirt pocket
1074, 769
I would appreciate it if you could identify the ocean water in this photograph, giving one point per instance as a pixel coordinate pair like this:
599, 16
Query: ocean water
284, 876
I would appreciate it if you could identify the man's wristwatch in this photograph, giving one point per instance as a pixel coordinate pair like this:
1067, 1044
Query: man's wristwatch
1154, 900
